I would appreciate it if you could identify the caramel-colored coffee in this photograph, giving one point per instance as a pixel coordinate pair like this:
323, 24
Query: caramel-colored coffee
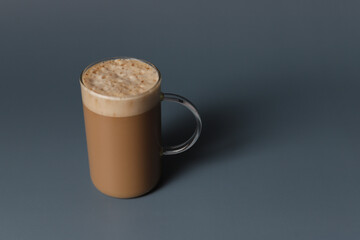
124, 152
121, 102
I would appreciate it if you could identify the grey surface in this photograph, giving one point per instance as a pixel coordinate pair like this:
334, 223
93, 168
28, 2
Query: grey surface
277, 84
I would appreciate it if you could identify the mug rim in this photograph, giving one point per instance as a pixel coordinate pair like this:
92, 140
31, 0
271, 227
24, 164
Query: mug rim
115, 97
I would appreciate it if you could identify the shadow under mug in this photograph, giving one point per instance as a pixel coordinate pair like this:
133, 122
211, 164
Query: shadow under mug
124, 137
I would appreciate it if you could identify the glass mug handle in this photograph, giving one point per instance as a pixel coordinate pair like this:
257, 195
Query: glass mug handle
172, 150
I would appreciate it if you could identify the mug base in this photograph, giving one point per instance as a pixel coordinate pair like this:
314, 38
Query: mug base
126, 195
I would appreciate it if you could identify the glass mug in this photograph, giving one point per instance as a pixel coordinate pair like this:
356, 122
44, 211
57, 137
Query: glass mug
123, 137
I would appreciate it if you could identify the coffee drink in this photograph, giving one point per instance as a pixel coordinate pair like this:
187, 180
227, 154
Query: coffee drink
121, 102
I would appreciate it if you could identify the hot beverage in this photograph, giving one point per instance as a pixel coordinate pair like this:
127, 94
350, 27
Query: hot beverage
121, 101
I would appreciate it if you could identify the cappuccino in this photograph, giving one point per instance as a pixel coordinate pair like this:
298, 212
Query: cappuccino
121, 102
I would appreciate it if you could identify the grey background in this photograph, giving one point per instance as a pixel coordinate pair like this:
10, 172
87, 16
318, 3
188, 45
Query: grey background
277, 85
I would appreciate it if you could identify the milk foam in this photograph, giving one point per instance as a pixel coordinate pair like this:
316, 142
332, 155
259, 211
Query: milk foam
120, 77
120, 87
